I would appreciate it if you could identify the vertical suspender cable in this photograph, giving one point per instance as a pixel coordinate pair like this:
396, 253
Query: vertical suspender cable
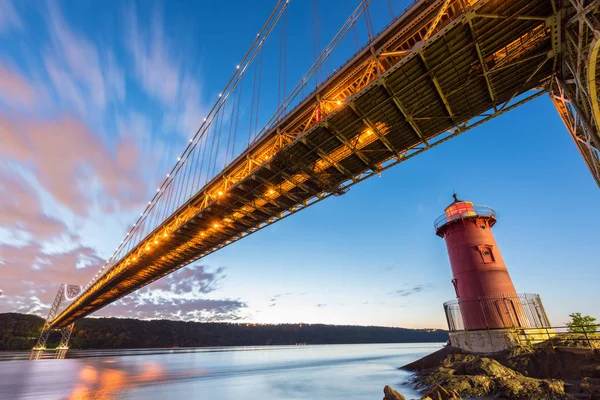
355, 34
237, 117
285, 49
368, 21
196, 176
281, 28
212, 147
314, 27
260, 65
247, 59
252, 107
233, 104
218, 141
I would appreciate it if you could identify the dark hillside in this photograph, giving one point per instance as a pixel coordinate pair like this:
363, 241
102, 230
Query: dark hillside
18, 331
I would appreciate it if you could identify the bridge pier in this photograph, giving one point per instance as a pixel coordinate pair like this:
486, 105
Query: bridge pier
573, 89
67, 292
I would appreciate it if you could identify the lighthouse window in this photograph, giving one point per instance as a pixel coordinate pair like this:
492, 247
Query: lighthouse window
487, 254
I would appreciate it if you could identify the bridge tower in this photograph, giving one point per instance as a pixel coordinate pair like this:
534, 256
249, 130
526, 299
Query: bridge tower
486, 298
65, 292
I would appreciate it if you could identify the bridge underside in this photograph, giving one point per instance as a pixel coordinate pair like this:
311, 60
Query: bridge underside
482, 59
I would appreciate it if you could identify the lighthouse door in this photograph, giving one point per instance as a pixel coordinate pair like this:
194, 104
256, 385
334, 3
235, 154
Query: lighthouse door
506, 313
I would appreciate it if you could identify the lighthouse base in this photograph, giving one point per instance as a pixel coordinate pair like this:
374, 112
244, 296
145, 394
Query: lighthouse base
494, 340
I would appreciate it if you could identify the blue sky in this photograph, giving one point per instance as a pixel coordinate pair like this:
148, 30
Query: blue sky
97, 100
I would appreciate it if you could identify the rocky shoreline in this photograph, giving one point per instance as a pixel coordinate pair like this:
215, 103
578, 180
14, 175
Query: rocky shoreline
528, 373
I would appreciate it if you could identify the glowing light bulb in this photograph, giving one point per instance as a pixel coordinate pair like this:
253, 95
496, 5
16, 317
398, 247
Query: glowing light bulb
237, 67
168, 175
220, 193
178, 158
220, 94
215, 225
271, 191
339, 102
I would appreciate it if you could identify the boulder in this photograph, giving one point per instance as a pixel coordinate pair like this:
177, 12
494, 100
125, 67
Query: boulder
486, 367
391, 394
590, 387
439, 393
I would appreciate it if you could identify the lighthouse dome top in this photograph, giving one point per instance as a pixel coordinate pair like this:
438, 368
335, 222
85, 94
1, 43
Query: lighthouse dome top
461, 209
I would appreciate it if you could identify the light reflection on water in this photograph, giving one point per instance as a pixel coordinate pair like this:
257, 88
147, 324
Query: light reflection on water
282, 372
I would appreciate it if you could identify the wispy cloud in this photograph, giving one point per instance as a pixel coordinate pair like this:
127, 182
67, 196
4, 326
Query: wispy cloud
408, 291
31, 274
21, 208
15, 89
9, 18
181, 295
156, 67
80, 74
161, 73
75, 167
68, 156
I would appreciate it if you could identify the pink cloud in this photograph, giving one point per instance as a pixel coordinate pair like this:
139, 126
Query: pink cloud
20, 208
31, 278
179, 296
15, 90
69, 162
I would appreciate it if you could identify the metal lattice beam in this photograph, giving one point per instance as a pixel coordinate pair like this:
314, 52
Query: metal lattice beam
438, 70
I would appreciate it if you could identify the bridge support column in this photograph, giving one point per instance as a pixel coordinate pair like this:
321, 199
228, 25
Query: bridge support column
581, 127
67, 292
574, 89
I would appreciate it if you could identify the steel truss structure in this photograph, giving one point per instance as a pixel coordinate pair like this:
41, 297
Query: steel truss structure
438, 70
574, 90
65, 292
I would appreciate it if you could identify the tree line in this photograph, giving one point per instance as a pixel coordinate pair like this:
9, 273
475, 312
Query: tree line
20, 332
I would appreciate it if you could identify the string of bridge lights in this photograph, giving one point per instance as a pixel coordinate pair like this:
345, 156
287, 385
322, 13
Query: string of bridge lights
216, 108
193, 142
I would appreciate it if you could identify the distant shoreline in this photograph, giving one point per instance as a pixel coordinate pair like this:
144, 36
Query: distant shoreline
19, 332
7, 355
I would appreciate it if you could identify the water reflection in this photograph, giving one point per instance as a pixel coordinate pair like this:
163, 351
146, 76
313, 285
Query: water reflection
106, 382
294, 372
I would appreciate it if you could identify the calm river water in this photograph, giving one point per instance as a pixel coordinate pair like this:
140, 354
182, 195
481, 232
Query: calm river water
271, 372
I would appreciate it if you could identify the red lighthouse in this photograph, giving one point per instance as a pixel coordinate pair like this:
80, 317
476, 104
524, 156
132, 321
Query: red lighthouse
480, 278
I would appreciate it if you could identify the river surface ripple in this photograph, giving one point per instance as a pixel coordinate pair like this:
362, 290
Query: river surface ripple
329, 372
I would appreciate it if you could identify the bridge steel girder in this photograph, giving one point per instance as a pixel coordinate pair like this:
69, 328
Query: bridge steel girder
417, 107
574, 90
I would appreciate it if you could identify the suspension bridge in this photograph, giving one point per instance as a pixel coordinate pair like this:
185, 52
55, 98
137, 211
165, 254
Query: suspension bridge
436, 70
